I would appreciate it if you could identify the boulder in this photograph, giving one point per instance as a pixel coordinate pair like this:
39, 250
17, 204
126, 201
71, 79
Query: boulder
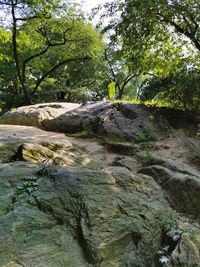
68, 201
56, 154
115, 122
35, 114
12, 137
57, 217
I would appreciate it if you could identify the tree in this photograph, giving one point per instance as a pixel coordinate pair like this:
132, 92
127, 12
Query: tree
119, 69
43, 40
181, 90
8, 78
76, 82
140, 20
157, 39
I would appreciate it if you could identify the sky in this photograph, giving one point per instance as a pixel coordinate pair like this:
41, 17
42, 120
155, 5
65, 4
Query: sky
89, 4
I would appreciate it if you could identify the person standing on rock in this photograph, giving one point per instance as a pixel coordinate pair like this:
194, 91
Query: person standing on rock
111, 90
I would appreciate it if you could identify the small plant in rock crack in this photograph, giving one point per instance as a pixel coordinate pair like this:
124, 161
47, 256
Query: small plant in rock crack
147, 158
169, 224
27, 186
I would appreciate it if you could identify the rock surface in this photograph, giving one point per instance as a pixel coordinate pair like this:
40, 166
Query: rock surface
114, 121
69, 201
35, 114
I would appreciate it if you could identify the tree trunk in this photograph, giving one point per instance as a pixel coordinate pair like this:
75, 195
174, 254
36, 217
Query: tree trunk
121, 92
19, 71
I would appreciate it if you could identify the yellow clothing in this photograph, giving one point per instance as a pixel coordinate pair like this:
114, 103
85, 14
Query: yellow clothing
111, 90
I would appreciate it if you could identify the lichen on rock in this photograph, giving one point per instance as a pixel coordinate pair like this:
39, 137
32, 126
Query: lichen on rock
126, 195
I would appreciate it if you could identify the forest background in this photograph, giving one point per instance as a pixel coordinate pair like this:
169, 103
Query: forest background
51, 51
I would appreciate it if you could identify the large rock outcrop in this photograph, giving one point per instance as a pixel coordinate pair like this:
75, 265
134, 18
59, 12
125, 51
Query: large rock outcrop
68, 201
113, 121
75, 217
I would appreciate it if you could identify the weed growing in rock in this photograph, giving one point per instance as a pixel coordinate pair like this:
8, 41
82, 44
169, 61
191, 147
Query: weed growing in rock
82, 134
169, 224
27, 186
147, 158
153, 103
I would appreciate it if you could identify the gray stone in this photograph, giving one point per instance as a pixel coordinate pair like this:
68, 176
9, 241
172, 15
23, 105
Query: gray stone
114, 121
182, 188
67, 201
35, 114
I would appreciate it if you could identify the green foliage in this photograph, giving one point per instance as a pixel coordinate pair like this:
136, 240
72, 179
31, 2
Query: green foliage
4, 48
147, 158
112, 140
53, 54
153, 102
10, 207
181, 90
82, 134
27, 186
51, 50
156, 24
158, 39
169, 224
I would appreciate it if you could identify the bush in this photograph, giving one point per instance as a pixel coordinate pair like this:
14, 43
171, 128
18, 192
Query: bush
181, 91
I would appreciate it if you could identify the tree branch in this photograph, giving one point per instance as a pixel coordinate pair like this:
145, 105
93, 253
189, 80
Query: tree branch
86, 84
181, 30
44, 15
112, 71
41, 79
110, 65
7, 4
126, 81
28, 18
193, 21
49, 44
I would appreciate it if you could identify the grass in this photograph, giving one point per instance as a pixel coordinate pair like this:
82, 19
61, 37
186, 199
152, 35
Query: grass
147, 158
81, 134
147, 103
112, 140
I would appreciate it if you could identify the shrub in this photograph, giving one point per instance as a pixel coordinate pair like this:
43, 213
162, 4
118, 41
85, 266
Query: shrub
180, 91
